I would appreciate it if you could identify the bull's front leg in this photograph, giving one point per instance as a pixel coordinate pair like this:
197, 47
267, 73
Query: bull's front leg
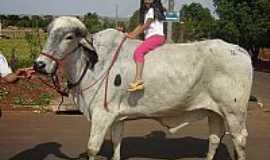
100, 123
117, 133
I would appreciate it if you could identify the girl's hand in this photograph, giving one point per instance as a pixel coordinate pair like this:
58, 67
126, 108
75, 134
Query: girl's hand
130, 35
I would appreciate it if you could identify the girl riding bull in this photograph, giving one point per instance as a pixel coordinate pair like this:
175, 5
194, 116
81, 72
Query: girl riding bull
151, 16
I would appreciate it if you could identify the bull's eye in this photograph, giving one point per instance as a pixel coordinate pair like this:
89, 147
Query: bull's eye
70, 37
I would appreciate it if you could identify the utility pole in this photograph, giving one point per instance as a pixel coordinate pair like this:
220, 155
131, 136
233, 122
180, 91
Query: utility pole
169, 27
182, 31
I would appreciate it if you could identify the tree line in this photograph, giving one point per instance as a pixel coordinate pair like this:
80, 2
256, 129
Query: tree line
92, 21
243, 22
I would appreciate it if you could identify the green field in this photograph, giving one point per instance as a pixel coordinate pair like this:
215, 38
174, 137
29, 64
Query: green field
25, 50
24, 92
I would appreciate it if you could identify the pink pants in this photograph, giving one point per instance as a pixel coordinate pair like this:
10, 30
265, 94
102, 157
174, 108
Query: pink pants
146, 46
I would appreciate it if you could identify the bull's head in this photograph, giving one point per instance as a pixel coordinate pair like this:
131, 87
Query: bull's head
65, 36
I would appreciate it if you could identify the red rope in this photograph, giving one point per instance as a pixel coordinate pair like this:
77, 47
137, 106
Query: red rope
104, 76
116, 54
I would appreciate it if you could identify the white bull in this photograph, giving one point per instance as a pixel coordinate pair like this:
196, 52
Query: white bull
183, 83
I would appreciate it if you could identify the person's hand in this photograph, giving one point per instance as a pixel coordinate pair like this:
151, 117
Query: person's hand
21, 73
30, 72
25, 72
120, 28
130, 35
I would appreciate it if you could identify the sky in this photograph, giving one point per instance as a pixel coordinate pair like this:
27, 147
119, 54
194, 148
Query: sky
81, 7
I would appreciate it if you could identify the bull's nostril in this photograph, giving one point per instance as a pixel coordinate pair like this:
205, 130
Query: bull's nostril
39, 66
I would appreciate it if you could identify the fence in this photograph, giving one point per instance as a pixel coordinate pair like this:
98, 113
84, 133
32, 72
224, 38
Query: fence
21, 33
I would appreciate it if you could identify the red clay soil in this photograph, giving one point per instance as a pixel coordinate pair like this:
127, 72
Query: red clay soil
22, 94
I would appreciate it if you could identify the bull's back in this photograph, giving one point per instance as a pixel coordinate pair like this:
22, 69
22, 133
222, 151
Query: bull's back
170, 74
175, 74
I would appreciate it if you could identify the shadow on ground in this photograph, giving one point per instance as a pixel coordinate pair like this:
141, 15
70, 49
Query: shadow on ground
154, 145
41, 151
157, 146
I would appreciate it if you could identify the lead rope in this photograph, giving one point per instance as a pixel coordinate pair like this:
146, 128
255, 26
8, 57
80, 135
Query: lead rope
109, 69
104, 76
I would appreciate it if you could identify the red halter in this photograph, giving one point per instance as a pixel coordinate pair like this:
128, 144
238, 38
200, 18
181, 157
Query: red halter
104, 76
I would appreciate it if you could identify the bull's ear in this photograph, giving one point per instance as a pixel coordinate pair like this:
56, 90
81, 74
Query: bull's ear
87, 44
92, 54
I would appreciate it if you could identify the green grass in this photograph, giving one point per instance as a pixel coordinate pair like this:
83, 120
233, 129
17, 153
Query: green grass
22, 51
42, 100
26, 50
20, 100
3, 93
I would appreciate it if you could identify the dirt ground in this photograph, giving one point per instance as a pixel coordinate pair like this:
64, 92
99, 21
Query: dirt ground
47, 136
25, 95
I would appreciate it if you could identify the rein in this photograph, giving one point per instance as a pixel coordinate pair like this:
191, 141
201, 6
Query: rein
105, 75
65, 92
54, 76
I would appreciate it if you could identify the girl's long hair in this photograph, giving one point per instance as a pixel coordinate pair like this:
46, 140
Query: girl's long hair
158, 11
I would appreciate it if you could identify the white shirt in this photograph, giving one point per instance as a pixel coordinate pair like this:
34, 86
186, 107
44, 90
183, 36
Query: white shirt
4, 68
155, 28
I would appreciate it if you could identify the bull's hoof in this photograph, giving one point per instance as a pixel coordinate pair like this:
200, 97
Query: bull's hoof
98, 158
84, 156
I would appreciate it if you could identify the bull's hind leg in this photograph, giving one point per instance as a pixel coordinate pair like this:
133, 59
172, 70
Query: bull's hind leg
237, 128
101, 122
231, 93
217, 129
117, 133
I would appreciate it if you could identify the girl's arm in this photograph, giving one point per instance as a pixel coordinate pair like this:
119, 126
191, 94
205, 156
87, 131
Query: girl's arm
139, 29
22, 73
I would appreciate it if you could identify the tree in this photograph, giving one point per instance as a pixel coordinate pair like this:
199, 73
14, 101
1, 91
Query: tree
133, 20
92, 22
24, 22
107, 23
11, 20
198, 23
245, 22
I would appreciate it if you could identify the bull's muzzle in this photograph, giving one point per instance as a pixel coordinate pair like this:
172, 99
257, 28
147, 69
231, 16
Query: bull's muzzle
40, 66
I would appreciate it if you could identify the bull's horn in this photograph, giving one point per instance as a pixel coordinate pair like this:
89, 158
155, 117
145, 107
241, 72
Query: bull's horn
85, 43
